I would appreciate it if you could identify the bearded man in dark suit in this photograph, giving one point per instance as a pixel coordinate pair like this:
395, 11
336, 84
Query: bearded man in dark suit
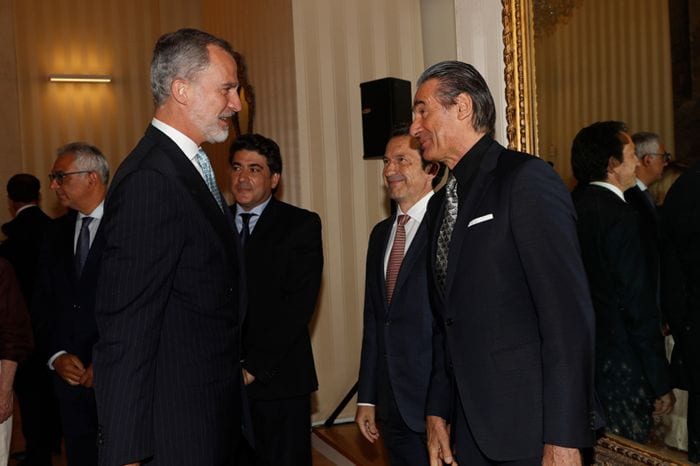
283, 263
513, 343
167, 371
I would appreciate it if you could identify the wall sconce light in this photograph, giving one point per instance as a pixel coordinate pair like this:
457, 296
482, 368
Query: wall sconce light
79, 78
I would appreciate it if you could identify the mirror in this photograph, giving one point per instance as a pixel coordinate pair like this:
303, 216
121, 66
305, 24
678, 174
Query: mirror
569, 63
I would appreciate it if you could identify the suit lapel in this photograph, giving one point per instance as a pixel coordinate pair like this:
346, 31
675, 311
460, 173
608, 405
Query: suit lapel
384, 232
185, 172
412, 255
266, 221
480, 184
66, 246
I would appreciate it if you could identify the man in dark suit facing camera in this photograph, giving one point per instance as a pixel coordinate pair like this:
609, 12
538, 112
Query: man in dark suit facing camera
398, 322
170, 288
283, 263
513, 338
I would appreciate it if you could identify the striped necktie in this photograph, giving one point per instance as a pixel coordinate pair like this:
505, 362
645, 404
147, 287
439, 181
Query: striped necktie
396, 256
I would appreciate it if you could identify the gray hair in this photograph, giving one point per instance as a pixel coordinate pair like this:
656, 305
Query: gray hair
455, 77
180, 54
87, 157
645, 143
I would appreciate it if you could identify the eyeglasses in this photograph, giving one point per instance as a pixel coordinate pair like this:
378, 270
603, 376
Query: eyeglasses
665, 155
59, 176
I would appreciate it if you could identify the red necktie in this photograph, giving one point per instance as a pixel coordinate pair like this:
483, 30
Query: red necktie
396, 256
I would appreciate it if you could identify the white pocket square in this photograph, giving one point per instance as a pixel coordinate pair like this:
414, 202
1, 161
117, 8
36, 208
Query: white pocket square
477, 220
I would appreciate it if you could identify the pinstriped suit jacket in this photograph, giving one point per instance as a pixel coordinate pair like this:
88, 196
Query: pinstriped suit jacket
167, 371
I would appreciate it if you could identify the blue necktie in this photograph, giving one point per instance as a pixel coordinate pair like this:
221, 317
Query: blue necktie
82, 247
209, 178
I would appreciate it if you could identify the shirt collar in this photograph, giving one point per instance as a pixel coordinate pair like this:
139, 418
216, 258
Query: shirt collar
640, 184
257, 210
186, 145
24, 207
468, 165
417, 210
96, 213
610, 187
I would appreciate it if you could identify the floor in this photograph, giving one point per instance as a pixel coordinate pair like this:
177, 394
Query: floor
342, 445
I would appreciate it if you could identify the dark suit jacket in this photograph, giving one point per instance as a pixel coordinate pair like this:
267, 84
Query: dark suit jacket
63, 301
64, 309
628, 328
397, 337
15, 330
514, 325
681, 269
284, 259
167, 371
650, 231
24, 234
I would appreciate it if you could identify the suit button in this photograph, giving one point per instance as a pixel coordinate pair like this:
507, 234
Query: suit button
388, 322
449, 322
76, 306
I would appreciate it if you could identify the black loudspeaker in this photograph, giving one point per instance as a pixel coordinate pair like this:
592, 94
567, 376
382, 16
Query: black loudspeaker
386, 103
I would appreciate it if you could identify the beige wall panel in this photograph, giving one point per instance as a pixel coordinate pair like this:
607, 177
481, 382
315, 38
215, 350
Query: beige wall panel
267, 42
339, 45
596, 68
10, 141
84, 37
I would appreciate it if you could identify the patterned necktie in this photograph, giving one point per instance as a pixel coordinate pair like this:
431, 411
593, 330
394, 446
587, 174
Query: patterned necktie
245, 230
82, 247
396, 256
209, 178
445, 235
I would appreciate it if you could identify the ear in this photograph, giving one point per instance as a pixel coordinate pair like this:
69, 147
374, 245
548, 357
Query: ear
613, 163
646, 160
179, 89
275, 180
92, 178
432, 168
464, 106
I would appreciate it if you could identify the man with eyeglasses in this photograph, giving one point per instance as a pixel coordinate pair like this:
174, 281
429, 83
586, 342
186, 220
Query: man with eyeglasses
64, 300
652, 156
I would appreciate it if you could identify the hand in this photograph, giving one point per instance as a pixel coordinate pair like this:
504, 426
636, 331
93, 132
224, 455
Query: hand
133, 464
69, 368
86, 379
248, 378
664, 404
364, 418
439, 450
554, 455
6, 402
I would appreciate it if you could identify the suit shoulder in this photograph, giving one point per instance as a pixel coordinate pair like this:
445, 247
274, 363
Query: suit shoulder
297, 214
382, 226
